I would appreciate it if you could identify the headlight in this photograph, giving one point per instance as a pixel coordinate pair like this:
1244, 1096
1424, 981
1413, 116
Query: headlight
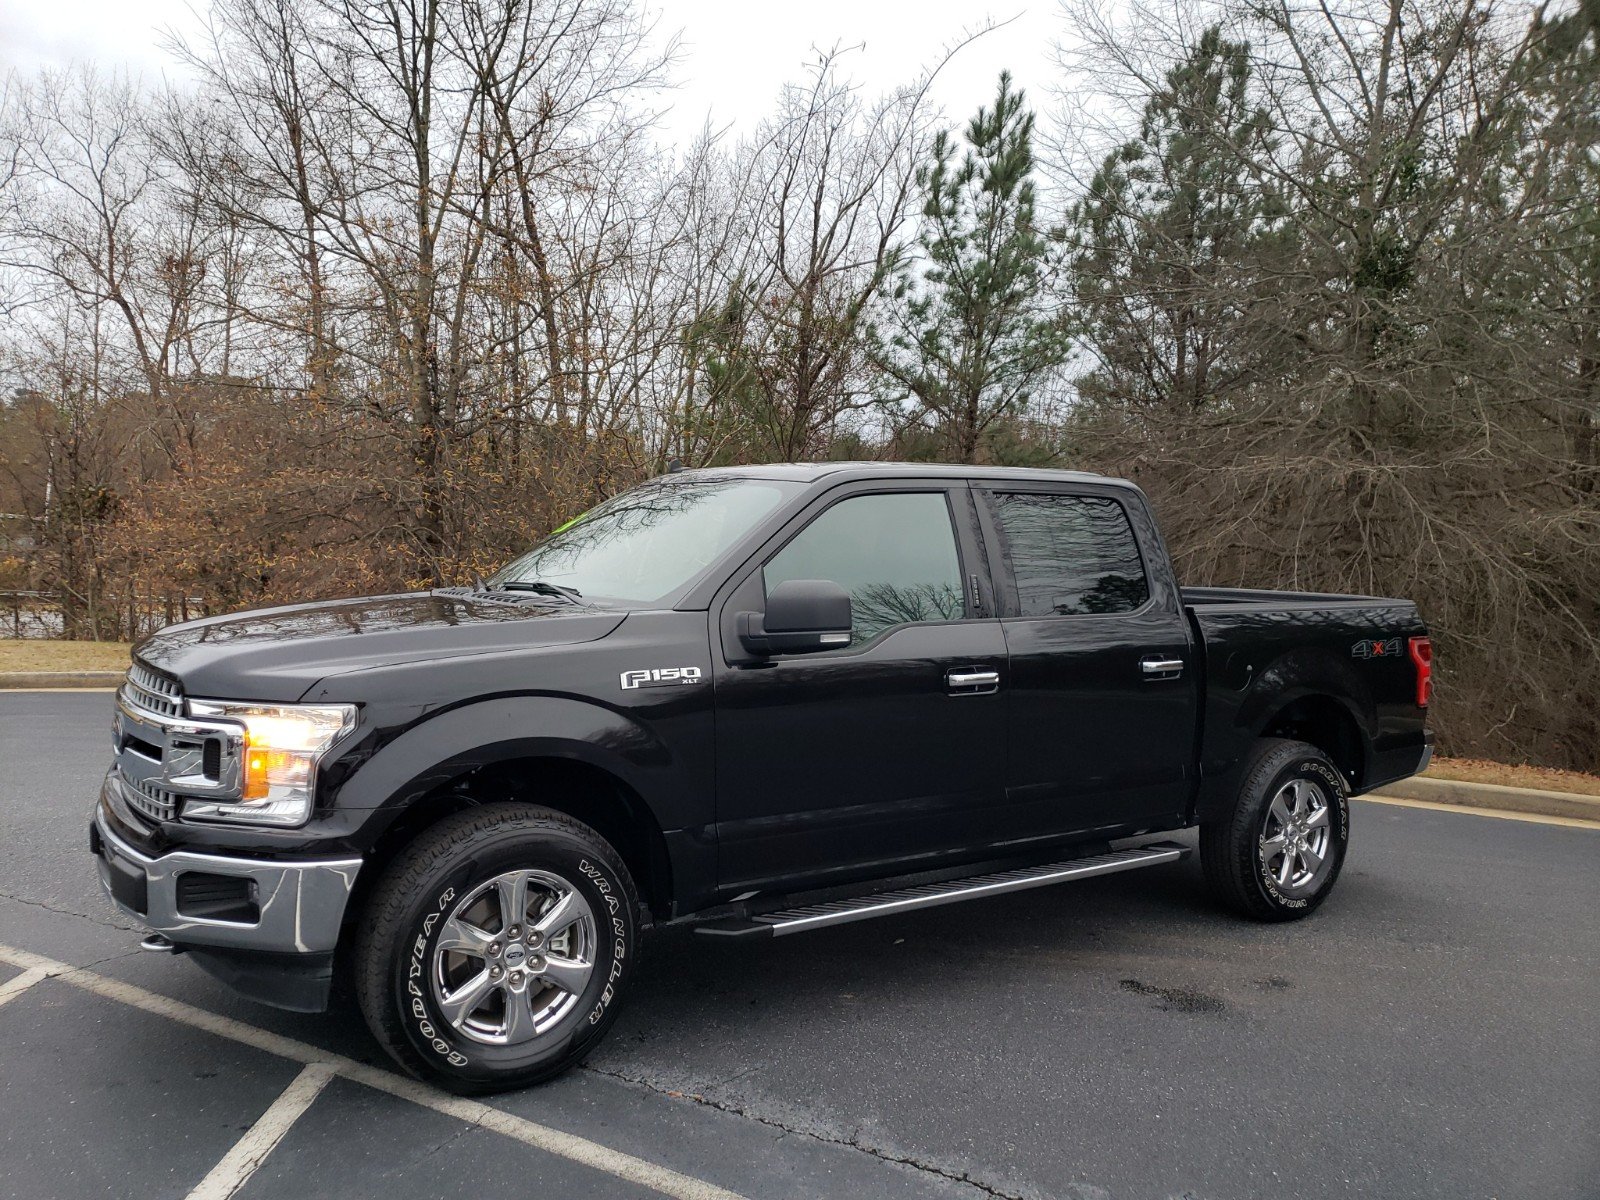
282, 745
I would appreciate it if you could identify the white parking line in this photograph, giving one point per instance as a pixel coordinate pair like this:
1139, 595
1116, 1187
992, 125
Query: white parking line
15, 987
250, 1151
553, 1141
1504, 815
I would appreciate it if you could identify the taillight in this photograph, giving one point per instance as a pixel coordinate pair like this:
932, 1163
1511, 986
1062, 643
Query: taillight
1422, 655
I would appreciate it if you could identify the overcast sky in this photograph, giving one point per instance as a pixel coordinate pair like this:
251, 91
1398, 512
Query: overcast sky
736, 52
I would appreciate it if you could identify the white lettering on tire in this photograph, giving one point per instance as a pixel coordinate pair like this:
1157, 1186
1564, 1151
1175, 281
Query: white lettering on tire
416, 969
1337, 802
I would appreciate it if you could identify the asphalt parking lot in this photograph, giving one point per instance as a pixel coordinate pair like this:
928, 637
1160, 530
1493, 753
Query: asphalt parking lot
1433, 1031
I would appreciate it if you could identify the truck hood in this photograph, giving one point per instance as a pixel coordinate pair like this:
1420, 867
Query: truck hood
278, 654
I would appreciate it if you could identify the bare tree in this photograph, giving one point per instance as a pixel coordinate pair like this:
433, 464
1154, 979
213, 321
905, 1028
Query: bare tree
92, 222
828, 189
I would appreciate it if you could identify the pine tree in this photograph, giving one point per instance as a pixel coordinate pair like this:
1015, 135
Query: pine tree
1173, 243
971, 331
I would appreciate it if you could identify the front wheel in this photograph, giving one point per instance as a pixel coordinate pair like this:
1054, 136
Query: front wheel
495, 947
1276, 856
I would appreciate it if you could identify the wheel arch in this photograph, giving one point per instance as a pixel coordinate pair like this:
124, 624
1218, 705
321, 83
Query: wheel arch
580, 789
1329, 724
1301, 698
592, 763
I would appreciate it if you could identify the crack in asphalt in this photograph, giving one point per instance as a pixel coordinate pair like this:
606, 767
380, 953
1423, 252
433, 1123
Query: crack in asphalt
68, 912
70, 968
99, 962
851, 1143
446, 1143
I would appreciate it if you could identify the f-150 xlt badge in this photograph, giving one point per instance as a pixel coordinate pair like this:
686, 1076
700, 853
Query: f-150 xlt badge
1389, 648
660, 677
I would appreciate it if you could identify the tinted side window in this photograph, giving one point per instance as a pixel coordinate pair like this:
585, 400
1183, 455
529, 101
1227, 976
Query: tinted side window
894, 554
1070, 554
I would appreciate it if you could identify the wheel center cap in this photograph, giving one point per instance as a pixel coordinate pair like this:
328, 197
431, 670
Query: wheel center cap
515, 954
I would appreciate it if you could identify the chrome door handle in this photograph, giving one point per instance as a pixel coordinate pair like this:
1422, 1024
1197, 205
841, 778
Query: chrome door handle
971, 683
1161, 666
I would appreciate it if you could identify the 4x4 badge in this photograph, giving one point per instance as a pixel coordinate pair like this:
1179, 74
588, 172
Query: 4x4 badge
659, 677
1389, 648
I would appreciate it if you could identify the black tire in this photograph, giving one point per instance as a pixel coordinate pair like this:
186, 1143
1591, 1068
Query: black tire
1232, 847
420, 894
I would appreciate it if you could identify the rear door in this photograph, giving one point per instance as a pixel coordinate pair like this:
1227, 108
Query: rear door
860, 760
1102, 683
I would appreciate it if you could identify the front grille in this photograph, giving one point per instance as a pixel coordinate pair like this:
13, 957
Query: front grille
154, 802
152, 692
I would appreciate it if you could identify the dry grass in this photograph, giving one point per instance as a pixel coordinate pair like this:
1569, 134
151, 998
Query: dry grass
43, 654
1475, 770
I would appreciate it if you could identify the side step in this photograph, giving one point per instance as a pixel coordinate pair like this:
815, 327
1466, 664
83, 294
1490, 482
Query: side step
861, 908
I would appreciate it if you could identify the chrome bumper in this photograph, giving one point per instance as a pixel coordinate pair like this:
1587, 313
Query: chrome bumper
299, 905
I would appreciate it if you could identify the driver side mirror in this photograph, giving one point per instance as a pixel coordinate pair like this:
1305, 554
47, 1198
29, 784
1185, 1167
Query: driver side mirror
802, 615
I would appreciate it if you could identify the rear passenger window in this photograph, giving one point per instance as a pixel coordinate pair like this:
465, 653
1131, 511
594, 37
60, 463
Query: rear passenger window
895, 554
1070, 554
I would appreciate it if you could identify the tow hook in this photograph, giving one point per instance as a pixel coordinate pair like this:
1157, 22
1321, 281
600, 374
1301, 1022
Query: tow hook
159, 943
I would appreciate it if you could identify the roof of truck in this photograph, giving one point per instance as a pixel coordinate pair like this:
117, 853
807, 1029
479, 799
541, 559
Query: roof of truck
812, 472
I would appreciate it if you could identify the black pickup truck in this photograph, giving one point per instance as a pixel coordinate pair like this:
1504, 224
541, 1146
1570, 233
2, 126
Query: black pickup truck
761, 700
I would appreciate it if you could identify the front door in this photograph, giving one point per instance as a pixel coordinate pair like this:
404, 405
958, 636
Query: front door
890, 750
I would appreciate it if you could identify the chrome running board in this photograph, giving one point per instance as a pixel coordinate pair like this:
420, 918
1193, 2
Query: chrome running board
953, 891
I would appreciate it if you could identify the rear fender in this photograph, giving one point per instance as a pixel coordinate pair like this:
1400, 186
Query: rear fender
1242, 704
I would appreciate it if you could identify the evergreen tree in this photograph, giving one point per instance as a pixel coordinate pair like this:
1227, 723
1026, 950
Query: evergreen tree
1172, 246
972, 331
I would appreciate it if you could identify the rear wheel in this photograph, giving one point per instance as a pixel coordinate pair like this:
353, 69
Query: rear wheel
495, 947
1276, 856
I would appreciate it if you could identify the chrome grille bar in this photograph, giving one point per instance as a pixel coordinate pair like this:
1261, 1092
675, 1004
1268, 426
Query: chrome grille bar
157, 743
152, 692
165, 760
154, 802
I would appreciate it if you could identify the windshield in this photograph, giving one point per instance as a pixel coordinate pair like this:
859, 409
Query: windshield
641, 546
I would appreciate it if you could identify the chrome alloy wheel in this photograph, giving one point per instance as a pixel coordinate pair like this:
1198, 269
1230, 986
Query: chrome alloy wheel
513, 957
1296, 838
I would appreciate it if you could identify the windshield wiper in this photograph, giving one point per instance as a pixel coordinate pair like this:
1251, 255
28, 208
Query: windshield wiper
543, 587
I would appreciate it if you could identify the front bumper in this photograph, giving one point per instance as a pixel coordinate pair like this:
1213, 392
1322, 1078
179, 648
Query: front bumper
212, 900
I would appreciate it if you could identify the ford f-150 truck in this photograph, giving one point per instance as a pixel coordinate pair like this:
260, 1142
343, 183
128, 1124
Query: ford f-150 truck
761, 700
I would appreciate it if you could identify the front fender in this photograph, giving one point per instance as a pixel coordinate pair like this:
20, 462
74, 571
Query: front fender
444, 746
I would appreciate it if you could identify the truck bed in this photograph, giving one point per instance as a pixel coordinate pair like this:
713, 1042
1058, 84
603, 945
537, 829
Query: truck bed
1260, 647
1210, 597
